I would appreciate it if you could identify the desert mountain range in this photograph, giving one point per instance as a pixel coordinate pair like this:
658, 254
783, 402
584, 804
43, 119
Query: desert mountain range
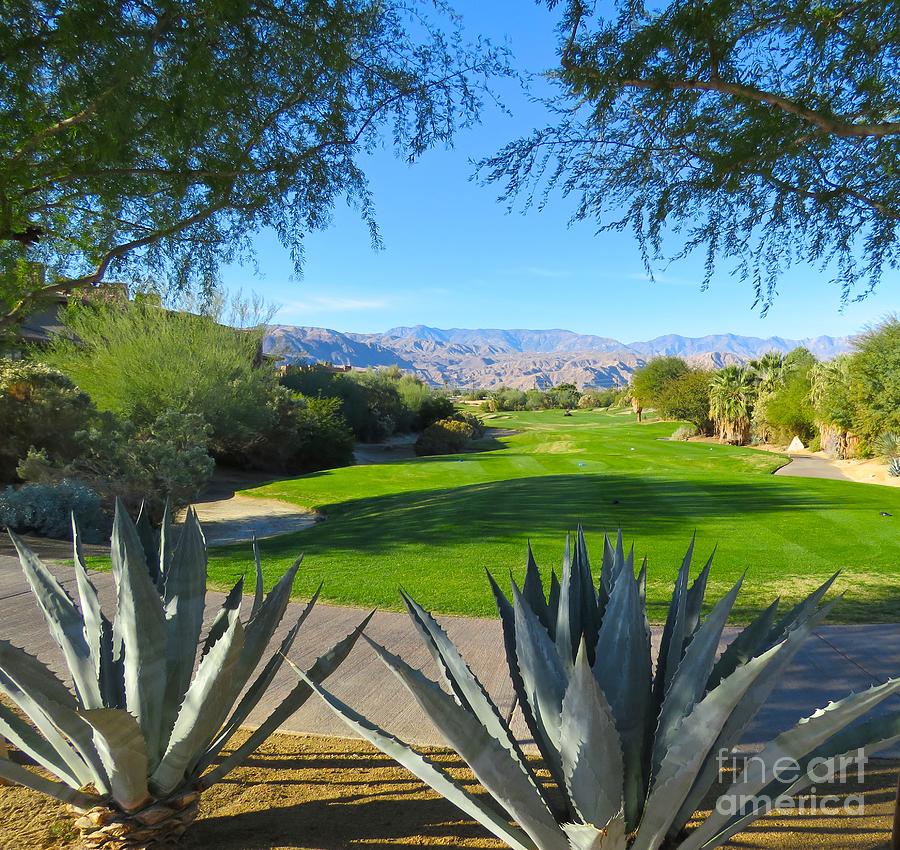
522, 358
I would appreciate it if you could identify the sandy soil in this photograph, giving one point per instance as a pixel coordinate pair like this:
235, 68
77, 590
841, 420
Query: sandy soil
240, 518
866, 472
860, 470
312, 793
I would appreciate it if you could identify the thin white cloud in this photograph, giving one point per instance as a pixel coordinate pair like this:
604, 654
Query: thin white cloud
334, 304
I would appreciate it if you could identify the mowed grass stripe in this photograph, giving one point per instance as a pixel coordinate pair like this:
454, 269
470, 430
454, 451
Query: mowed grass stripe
434, 525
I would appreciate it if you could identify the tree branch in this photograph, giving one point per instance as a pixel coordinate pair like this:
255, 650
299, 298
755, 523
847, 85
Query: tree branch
162, 23
832, 126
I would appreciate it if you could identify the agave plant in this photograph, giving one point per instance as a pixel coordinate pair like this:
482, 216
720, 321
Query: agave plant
631, 752
894, 467
131, 749
887, 446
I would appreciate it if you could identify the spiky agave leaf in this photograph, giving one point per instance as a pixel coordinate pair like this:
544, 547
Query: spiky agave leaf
426, 770
746, 710
493, 765
143, 724
591, 749
795, 744
633, 752
324, 666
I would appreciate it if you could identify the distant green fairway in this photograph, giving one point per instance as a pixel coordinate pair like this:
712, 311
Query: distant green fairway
434, 525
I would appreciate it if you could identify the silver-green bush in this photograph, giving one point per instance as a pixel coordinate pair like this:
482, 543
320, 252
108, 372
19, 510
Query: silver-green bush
47, 510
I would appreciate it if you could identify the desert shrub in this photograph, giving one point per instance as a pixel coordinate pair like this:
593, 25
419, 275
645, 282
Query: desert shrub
375, 402
423, 404
593, 399
564, 397
358, 405
684, 432
534, 400
137, 360
649, 381
47, 509
41, 409
622, 399
387, 413
476, 423
322, 438
505, 398
369, 420
815, 443
304, 433
165, 461
447, 436
314, 379
477, 394
686, 398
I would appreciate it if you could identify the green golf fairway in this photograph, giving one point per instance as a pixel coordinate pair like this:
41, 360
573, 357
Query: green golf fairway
434, 525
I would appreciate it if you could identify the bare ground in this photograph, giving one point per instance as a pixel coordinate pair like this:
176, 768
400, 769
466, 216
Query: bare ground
313, 793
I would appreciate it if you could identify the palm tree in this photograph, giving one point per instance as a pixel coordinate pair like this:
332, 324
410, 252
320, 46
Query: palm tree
769, 371
731, 395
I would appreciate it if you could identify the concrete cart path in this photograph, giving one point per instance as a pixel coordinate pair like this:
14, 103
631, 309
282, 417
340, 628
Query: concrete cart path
811, 466
838, 659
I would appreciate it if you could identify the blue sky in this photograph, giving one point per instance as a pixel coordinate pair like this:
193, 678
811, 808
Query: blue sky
453, 256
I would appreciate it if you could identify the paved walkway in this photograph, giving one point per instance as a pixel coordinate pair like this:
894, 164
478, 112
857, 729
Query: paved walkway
811, 466
836, 660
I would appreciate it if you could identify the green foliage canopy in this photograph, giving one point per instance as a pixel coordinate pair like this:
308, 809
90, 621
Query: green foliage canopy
563, 396
686, 397
648, 382
150, 140
762, 133
137, 360
788, 411
830, 392
375, 402
40, 408
875, 381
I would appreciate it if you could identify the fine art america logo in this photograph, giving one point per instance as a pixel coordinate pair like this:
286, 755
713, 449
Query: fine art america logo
788, 784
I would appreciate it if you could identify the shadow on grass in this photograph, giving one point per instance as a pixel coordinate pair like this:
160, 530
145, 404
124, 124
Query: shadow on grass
542, 504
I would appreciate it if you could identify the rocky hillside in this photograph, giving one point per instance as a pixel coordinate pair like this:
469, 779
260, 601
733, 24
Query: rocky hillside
522, 358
